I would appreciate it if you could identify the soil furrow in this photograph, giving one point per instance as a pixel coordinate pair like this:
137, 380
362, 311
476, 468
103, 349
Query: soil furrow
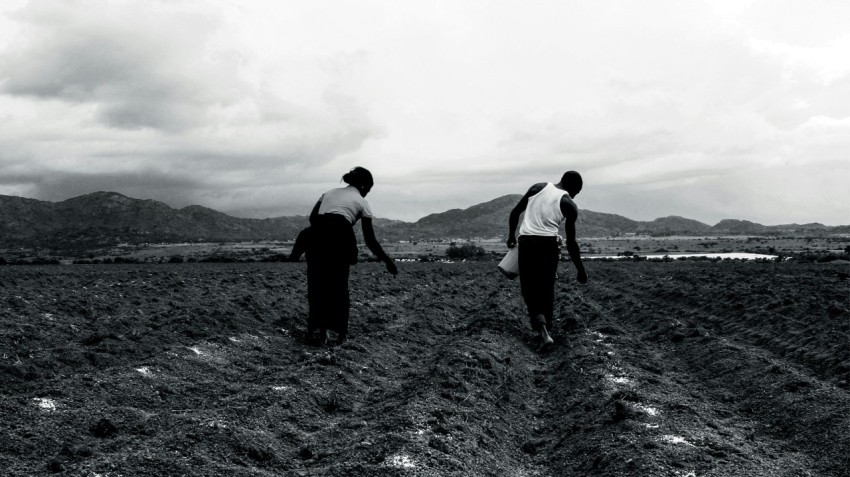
742, 389
663, 369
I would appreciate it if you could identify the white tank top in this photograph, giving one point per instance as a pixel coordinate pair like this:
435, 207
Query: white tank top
543, 214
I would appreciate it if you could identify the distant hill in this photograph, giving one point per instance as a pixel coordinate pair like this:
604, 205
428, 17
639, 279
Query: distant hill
490, 219
104, 219
485, 220
742, 227
109, 218
674, 225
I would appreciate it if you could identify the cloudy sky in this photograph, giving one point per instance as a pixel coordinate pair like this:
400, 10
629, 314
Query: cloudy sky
704, 109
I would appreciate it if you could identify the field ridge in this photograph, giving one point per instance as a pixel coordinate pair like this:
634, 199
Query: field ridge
672, 369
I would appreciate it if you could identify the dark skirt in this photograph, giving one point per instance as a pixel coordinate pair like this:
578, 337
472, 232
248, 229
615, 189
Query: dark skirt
331, 251
538, 265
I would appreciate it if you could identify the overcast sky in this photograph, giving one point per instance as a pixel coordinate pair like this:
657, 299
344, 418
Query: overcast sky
704, 109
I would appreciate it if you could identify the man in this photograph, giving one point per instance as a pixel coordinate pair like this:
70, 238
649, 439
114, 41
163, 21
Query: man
546, 206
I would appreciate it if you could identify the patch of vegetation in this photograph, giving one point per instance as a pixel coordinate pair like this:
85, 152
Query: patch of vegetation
465, 252
34, 261
278, 257
220, 259
821, 257
129, 260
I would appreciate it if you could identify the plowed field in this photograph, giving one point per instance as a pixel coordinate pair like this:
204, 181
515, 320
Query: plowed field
661, 369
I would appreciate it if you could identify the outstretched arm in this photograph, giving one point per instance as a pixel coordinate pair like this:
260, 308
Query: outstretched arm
570, 212
513, 220
375, 247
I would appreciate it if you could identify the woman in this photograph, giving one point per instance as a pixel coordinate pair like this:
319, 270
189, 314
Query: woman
332, 250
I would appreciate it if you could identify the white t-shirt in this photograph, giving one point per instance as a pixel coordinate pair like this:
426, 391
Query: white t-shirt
543, 216
345, 201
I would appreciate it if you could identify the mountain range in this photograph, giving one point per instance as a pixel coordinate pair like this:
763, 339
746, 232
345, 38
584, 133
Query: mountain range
103, 219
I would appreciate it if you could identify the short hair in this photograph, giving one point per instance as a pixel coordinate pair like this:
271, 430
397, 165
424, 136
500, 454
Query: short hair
359, 176
572, 181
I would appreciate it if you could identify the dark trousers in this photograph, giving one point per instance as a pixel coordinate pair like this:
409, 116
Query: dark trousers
538, 264
329, 256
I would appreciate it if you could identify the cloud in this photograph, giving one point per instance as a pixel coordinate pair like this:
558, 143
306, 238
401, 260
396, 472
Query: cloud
60, 185
140, 68
260, 106
162, 98
145, 65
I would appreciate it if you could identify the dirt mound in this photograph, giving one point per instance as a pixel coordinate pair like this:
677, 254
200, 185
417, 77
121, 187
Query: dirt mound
684, 368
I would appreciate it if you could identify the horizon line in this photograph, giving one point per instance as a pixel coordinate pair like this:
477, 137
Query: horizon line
420, 218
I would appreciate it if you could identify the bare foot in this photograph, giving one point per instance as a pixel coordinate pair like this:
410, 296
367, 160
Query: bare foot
545, 339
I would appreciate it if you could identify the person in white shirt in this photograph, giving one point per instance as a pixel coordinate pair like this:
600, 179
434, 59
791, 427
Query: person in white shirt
332, 249
545, 206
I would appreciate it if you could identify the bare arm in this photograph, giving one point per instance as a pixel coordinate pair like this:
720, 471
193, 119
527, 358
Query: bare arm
315, 212
375, 247
513, 220
301, 244
570, 211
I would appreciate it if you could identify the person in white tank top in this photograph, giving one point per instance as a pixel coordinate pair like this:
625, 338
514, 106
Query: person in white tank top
543, 216
544, 208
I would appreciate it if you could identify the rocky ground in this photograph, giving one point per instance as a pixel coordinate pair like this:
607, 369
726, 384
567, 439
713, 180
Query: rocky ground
663, 369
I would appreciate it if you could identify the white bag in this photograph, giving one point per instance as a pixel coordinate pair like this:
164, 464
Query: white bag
510, 264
